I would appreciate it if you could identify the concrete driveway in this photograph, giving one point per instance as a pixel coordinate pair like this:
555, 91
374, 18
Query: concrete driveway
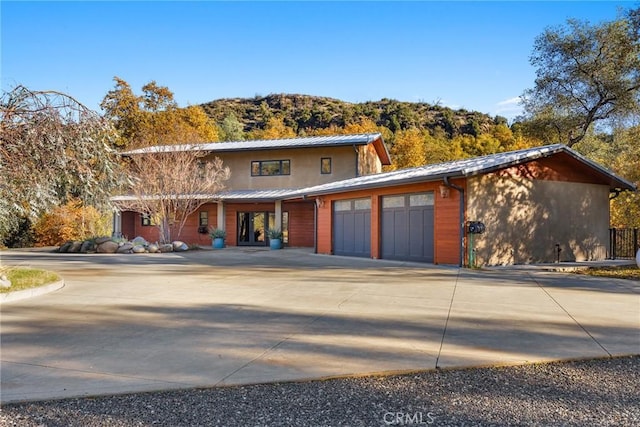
126, 323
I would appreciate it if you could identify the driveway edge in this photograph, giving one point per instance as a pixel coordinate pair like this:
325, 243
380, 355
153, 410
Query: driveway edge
30, 293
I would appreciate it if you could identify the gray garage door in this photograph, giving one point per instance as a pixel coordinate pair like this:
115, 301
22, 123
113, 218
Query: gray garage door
407, 227
352, 227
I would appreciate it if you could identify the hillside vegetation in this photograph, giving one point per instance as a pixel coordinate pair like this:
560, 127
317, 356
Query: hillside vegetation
306, 114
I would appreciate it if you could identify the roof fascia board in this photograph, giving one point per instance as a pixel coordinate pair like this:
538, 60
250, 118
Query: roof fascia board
347, 140
368, 186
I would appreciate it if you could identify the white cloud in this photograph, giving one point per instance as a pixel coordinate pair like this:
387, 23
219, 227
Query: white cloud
509, 108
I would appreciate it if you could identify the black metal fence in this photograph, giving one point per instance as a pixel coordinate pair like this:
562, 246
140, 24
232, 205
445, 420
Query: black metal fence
623, 242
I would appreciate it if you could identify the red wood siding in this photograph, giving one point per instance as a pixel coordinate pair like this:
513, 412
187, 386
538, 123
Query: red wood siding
447, 225
132, 227
301, 227
446, 219
128, 222
560, 167
190, 231
149, 232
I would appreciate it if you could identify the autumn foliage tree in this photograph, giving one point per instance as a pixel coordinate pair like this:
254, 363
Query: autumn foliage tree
274, 129
71, 221
154, 118
625, 209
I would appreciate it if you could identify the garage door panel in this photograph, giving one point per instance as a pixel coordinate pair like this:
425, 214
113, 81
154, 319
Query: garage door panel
407, 231
352, 229
362, 225
416, 239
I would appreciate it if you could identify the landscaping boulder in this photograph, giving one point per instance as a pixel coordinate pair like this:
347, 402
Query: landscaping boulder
140, 241
179, 246
87, 246
103, 239
139, 249
108, 247
65, 247
153, 248
75, 247
167, 247
124, 248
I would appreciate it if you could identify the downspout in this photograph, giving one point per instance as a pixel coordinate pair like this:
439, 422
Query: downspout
355, 149
462, 227
616, 192
315, 228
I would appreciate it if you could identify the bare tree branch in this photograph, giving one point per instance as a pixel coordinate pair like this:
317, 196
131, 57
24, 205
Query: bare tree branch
169, 185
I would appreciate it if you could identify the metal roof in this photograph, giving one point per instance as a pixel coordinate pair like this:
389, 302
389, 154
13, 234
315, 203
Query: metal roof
230, 195
264, 144
460, 168
257, 195
433, 172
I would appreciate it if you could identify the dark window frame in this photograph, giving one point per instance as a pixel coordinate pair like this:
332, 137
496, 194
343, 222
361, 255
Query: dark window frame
204, 223
260, 166
322, 165
145, 220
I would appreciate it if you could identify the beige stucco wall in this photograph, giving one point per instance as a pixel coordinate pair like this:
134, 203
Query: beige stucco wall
305, 167
368, 160
525, 219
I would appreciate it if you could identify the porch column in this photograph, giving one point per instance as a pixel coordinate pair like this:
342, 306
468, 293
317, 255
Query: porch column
117, 224
221, 216
278, 205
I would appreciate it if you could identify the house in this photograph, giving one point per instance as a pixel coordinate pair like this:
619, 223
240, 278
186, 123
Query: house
534, 205
263, 173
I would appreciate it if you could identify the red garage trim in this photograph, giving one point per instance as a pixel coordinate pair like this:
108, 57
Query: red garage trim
446, 219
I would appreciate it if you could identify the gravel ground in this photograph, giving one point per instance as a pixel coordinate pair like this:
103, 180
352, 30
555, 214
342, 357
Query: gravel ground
602, 392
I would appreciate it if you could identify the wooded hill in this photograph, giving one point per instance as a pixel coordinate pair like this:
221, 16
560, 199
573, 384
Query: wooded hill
304, 114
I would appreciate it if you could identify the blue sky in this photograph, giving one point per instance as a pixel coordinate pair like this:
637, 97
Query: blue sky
472, 55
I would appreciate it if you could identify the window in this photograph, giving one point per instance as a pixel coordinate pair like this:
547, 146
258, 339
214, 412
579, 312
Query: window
270, 167
146, 219
421, 199
342, 205
325, 165
362, 204
204, 218
393, 202
352, 204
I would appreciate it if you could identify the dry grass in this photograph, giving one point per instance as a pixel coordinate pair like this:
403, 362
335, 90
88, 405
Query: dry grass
25, 278
631, 272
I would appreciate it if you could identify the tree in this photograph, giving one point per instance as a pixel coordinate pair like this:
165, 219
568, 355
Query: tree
408, 149
625, 209
619, 152
231, 129
154, 118
72, 221
169, 185
274, 129
586, 74
52, 149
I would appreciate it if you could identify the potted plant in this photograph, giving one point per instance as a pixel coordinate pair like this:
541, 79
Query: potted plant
217, 237
275, 238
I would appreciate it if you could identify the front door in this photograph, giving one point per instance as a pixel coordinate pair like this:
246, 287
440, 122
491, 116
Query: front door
251, 229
